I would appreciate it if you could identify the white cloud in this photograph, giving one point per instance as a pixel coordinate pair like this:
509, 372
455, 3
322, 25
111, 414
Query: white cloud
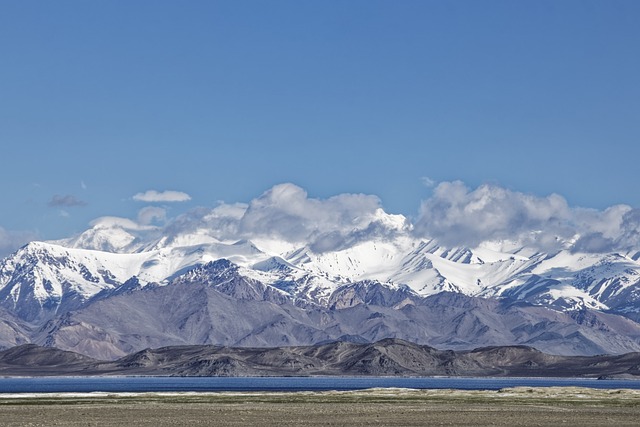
456, 215
615, 229
118, 222
150, 214
153, 196
428, 182
221, 222
12, 240
286, 212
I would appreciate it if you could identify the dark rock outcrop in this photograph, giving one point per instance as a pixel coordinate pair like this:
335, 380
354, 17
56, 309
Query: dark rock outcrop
389, 357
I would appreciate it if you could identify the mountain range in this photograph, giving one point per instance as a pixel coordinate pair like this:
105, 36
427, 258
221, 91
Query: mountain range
119, 287
388, 357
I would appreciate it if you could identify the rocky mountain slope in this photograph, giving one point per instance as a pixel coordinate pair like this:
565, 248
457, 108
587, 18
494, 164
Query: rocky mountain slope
382, 358
218, 304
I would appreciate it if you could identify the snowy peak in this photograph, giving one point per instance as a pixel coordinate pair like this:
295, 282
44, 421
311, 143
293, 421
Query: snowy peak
226, 277
565, 301
574, 280
211, 273
41, 278
111, 234
274, 264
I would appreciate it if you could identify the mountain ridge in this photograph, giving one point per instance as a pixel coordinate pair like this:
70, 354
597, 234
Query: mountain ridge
240, 311
387, 357
186, 285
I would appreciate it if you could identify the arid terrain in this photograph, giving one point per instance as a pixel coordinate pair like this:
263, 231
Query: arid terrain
389, 357
389, 407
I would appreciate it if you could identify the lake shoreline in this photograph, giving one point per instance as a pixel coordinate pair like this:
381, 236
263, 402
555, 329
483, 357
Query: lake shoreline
81, 384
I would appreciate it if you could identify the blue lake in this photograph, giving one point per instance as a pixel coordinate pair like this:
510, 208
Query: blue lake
202, 384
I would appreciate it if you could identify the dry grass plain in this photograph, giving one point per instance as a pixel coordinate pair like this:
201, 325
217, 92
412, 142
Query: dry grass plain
523, 406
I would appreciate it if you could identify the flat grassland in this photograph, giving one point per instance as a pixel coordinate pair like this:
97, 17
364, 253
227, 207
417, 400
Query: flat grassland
523, 406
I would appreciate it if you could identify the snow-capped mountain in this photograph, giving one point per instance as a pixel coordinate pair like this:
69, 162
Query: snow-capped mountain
45, 276
378, 261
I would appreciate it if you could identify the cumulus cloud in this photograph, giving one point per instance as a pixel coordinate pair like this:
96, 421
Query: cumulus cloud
221, 222
454, 214
630, 229
150, 214
67, 201
286, 212
457, 215
593, 242
614, 229
12, 240
153, 196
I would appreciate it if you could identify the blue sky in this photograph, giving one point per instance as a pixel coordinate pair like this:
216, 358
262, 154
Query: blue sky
100, 101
